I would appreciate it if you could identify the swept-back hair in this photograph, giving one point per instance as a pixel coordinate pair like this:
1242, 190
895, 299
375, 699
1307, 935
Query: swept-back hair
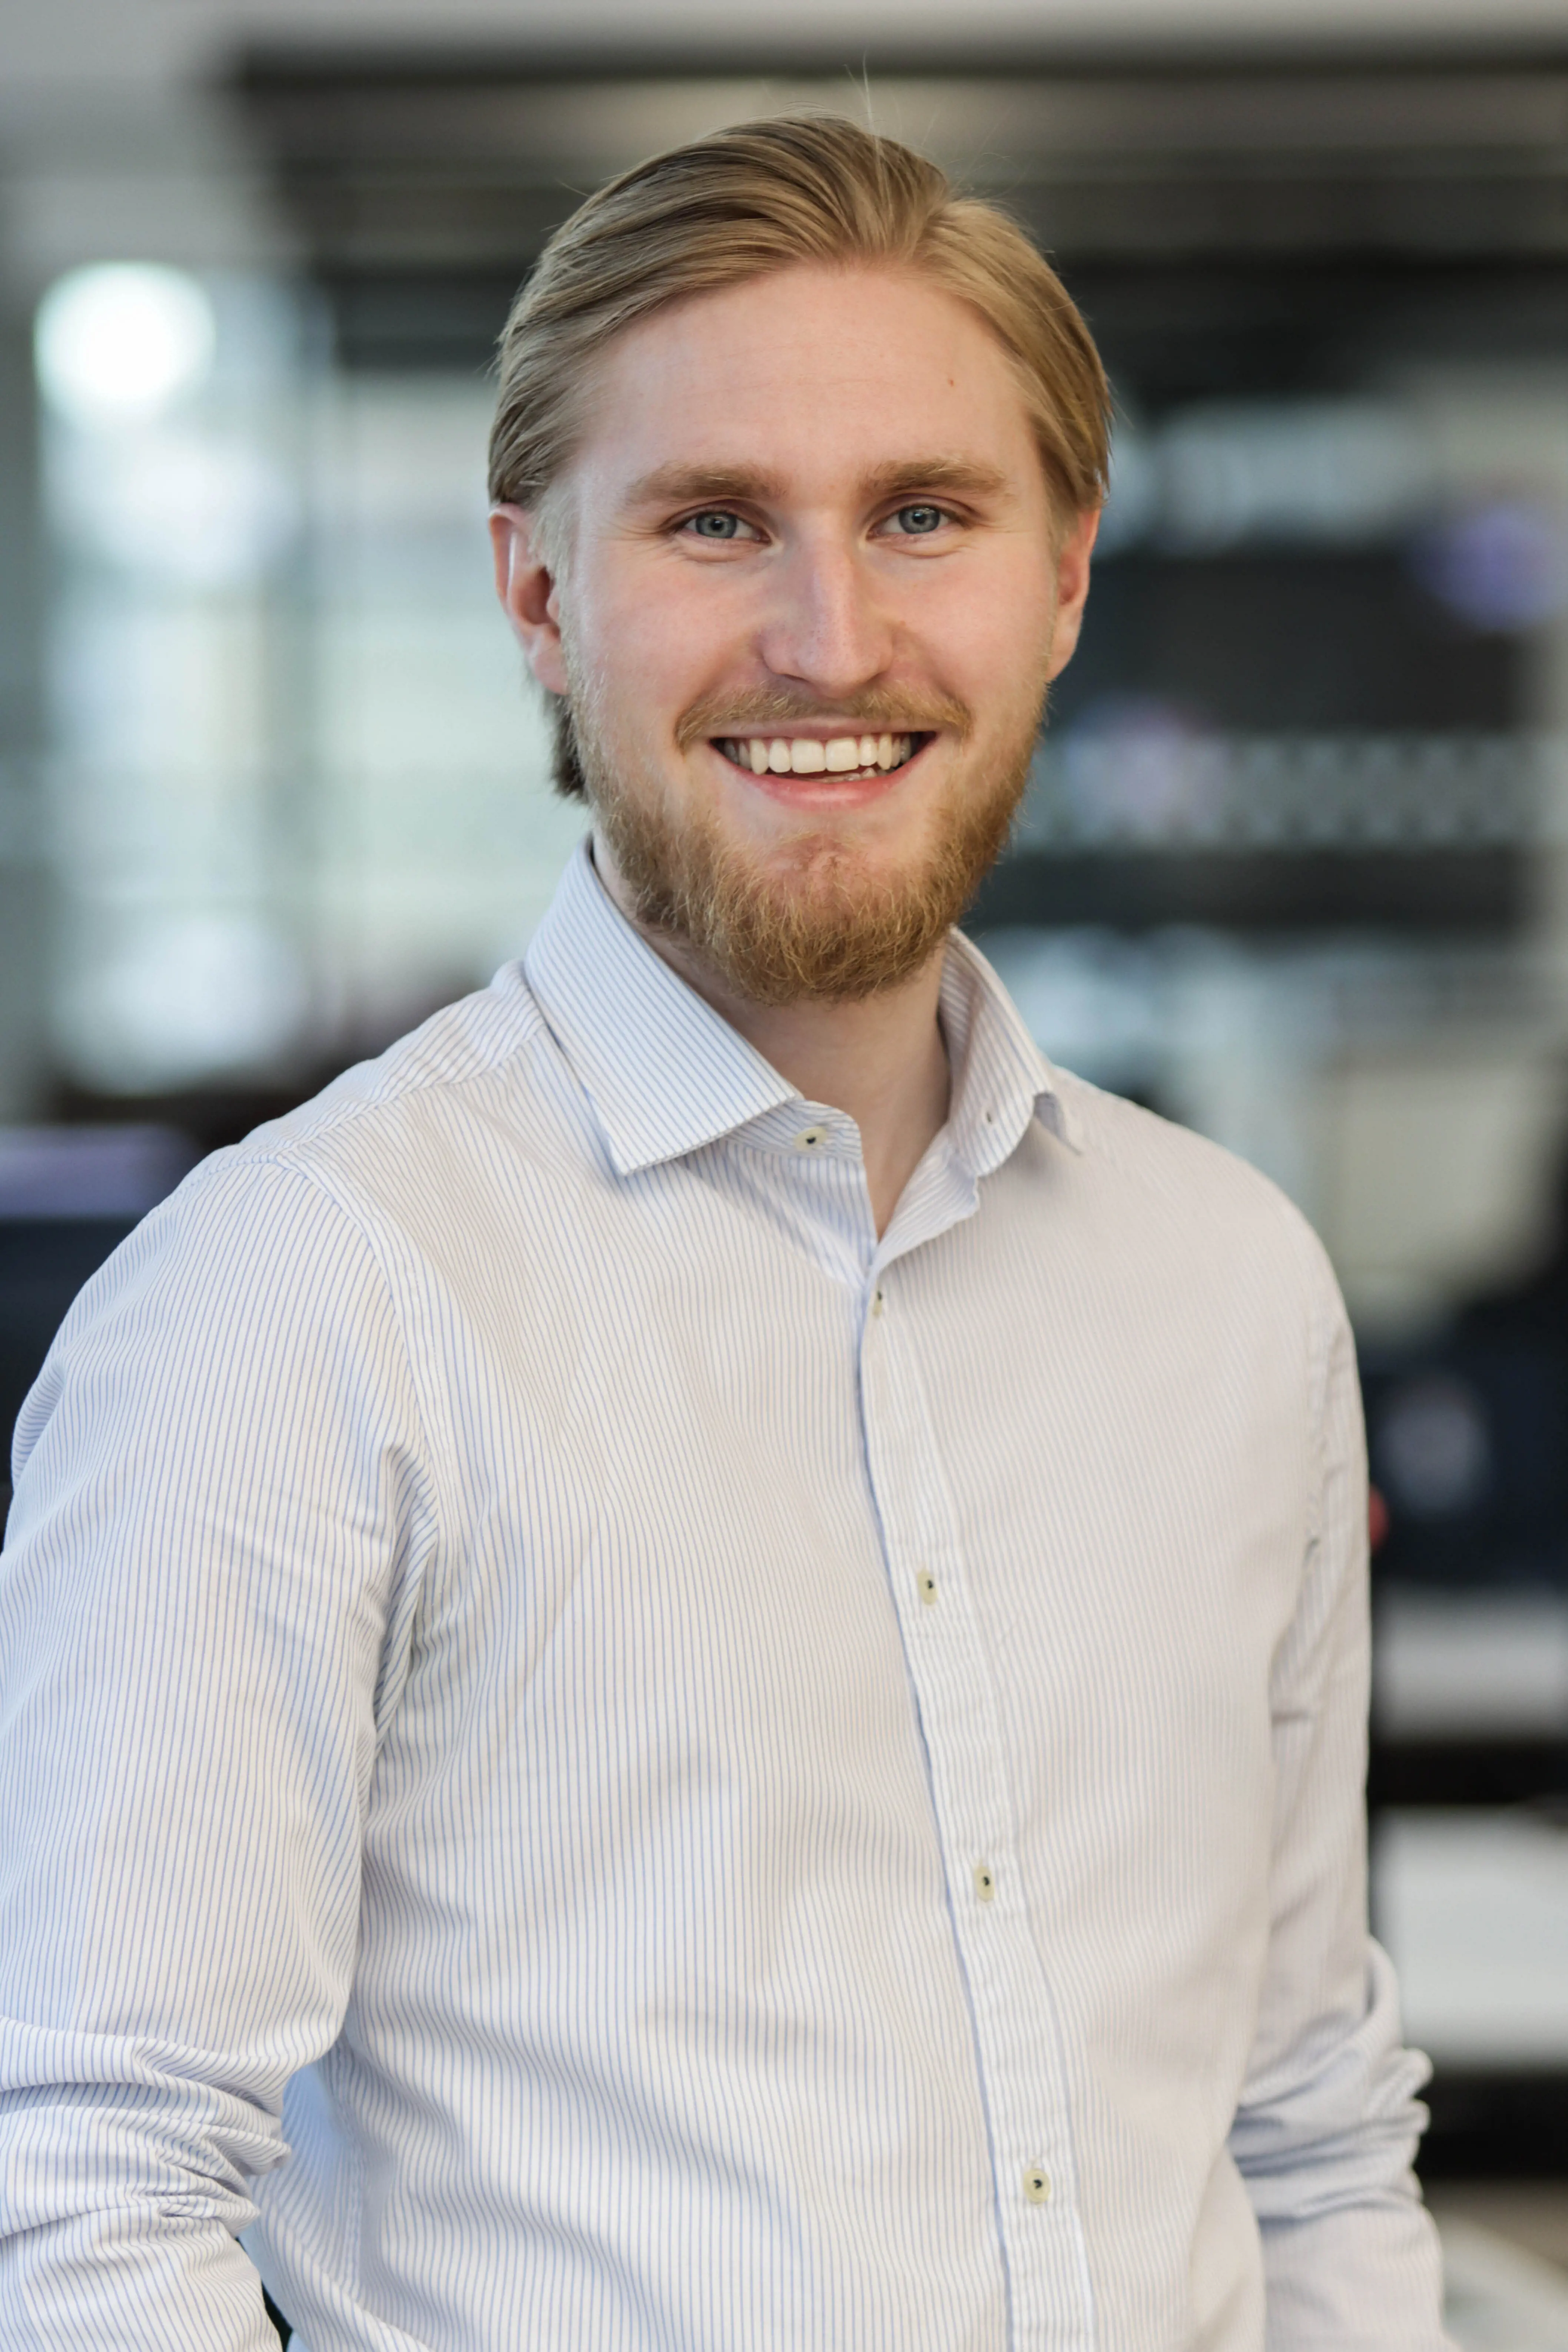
767, 196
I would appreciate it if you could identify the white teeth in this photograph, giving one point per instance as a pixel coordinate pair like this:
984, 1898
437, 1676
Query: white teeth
803, 755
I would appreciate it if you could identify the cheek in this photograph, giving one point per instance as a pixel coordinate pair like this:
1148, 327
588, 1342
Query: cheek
652, 636
988, 628
1001, 666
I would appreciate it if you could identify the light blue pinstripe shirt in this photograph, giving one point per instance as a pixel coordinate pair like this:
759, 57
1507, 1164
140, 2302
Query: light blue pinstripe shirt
595, 1757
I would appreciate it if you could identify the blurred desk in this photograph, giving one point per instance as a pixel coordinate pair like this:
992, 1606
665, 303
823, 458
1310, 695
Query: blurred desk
1470, 1697
1467, 1791
1473, 1905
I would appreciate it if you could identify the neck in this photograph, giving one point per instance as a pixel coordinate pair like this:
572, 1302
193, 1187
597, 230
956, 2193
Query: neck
881, 1060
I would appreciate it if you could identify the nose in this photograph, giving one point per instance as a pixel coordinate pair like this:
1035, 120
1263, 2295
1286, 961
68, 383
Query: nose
827, 628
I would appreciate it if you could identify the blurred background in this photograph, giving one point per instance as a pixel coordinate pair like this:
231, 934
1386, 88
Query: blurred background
1294, 864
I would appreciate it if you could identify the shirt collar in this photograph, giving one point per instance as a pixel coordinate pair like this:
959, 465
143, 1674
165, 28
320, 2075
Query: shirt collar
666, 1074
1001, 1080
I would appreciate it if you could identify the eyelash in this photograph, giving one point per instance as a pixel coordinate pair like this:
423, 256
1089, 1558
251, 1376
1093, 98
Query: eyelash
689, 522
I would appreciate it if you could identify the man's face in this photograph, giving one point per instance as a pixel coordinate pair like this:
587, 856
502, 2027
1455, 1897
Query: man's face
812, 593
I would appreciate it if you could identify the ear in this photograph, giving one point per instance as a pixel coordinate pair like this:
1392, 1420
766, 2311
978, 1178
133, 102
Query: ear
528, 591
1072, 587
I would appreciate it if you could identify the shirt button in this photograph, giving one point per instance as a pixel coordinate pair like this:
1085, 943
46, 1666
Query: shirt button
1038, 2186
876, 1302
927, 1584
811, 1139
984, 1880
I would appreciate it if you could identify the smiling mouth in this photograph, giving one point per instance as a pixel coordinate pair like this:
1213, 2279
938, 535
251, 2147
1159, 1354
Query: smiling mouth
803, 755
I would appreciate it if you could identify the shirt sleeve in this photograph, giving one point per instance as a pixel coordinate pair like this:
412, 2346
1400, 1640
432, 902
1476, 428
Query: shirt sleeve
222, 1507
1328, 2120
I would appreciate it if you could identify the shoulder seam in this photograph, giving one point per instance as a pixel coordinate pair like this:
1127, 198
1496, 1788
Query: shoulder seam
284, 1160
346, 1113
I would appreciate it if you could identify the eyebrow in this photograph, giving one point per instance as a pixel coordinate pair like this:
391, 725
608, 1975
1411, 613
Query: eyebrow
683, 485
960, 477
679, 486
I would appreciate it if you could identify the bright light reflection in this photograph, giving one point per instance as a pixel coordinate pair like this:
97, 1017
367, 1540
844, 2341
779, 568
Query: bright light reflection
120, 343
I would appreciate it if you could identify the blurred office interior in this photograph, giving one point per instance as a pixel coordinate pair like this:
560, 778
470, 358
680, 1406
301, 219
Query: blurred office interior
1293, 866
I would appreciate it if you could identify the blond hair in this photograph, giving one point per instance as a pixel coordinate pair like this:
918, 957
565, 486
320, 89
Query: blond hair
766, 196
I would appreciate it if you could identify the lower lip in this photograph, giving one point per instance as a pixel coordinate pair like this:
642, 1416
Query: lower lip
822, 790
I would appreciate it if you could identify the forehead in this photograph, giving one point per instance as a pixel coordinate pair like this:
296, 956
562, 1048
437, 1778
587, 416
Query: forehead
814, 376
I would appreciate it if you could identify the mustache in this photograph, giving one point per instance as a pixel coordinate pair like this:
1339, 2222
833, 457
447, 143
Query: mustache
872, 709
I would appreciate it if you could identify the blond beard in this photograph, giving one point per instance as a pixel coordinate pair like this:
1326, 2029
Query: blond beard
810, 925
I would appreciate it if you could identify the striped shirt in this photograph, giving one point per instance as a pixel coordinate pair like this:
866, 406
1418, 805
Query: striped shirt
593, 1756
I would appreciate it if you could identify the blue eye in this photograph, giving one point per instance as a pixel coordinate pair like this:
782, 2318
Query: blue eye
919, 521
714, 524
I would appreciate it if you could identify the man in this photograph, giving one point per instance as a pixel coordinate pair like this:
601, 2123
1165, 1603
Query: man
688, 1668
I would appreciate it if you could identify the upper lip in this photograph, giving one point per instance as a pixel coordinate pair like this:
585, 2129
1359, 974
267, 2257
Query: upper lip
807, 730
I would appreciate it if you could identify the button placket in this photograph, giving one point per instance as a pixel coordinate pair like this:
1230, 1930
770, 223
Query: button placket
1017, 2039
